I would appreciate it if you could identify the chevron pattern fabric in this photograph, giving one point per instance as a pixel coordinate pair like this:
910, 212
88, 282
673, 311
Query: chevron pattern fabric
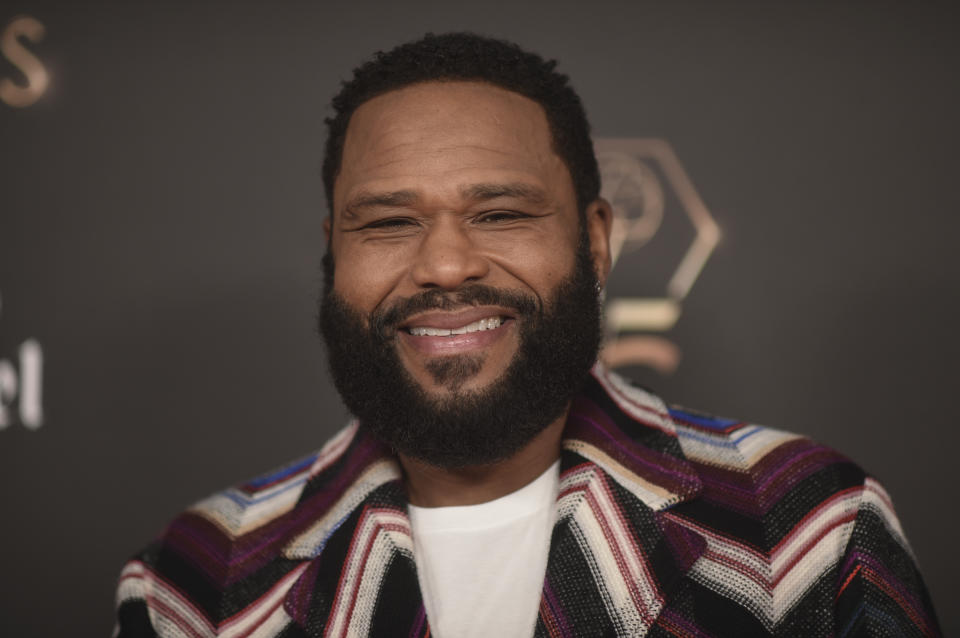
669, 523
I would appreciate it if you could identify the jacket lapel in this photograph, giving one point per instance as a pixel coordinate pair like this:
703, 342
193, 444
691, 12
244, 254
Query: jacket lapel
362, 579
614, 558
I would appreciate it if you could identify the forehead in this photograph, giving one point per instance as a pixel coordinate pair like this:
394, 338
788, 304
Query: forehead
438, 134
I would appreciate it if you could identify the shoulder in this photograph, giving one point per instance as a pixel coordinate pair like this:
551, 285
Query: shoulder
801, 526
748, 448
763, 485
223, 552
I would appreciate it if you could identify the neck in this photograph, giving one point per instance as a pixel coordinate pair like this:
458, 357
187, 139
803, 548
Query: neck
431, 486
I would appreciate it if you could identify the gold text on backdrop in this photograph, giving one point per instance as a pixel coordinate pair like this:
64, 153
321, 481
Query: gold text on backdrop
37, 79
21, 394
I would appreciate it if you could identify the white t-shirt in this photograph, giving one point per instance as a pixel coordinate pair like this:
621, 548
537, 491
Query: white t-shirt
481, 567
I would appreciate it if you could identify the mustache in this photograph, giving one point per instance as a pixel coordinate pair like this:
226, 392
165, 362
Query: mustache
386, 321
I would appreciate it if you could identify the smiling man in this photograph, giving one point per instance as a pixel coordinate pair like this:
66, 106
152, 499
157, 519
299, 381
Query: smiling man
463, 314
497, 482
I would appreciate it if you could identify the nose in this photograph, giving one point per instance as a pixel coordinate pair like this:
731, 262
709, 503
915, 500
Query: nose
447, 257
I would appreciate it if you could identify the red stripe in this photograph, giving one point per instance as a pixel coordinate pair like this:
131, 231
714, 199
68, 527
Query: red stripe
346, 567
846, 582
549, 621
616, 393
616, 550
743, 568
148, 574
362, 567
589, 477
738, 566
361, 570
706, 530
633, 548
674, 629
806, 547
813, 514
883, 496
237, 617
172, 615
259, 622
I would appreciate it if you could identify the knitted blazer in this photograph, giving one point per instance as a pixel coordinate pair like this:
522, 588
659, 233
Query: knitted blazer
669, 523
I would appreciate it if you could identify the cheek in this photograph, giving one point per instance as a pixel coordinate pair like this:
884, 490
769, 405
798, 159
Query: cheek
541, 262
364, 278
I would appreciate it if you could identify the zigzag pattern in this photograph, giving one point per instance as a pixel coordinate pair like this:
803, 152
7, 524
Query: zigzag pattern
173, 614
775, 479
770, 584
380, 533
669, 523
631, 591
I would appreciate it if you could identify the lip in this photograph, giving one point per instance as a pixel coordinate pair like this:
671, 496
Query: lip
456, 344
455, 319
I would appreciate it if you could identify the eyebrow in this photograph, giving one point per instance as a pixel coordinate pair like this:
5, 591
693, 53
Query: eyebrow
395, 199
517, 190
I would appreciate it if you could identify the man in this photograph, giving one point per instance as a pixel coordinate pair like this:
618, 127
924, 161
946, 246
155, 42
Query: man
497, 482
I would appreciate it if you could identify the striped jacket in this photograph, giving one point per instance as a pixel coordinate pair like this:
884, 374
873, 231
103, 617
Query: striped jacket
668, 524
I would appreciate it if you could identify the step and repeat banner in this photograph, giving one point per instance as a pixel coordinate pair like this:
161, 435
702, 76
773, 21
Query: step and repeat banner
784, 182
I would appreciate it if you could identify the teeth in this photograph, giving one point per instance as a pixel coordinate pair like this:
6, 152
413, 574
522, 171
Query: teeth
484, 324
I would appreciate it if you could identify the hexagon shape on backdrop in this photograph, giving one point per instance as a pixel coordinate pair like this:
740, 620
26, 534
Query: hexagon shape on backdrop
647, 185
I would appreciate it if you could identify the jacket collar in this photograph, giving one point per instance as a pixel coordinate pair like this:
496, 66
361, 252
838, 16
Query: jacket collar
628, 433
621, 467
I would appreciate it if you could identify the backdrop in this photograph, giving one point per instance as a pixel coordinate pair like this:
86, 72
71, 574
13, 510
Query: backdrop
785, 177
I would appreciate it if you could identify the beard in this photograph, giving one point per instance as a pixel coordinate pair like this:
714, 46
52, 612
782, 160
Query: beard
558, 344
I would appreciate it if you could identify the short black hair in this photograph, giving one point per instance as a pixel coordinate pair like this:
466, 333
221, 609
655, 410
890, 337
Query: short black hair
471, 57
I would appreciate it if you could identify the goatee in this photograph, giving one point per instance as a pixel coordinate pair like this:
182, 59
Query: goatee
558, 345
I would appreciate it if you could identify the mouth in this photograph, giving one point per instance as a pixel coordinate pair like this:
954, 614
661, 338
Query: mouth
474, 328
480, 325
443, 323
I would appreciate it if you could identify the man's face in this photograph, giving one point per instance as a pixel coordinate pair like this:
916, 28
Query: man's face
462, 271
443, 185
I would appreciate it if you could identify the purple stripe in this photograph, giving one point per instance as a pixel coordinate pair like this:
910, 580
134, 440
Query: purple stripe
297, 601
791, 466
198, 542
676, 619
685, 544
419, 623
555, 609
759, 496
681, 477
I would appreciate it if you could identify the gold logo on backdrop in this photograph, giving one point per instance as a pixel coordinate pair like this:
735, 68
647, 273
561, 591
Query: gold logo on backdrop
11, 92
645, 183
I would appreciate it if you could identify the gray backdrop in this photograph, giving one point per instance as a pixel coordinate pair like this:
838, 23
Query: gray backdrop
161, 235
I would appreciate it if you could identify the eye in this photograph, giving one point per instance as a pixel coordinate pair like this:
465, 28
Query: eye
390, 223
500, 216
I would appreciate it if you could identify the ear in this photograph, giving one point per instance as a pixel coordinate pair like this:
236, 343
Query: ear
599, 220
326, 228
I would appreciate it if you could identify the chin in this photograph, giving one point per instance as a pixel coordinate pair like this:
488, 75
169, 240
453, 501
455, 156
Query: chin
460, 374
